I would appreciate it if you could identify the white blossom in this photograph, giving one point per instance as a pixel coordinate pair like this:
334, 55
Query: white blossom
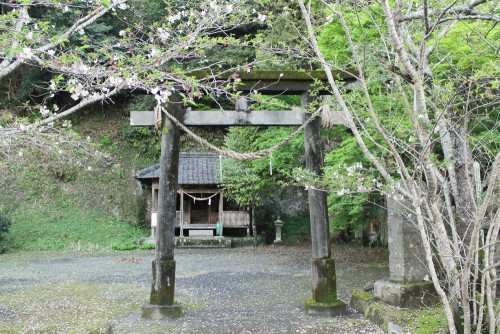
115, 81
162, 96
44, 111
213, 5
163, 33
26, 53
154, 53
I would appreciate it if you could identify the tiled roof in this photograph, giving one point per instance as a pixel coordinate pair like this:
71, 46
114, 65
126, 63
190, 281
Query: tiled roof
194, 168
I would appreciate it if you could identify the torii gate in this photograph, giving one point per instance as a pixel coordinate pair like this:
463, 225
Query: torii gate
324, 293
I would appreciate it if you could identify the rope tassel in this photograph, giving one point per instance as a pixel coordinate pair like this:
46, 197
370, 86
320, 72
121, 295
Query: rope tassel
271, 164
157, 117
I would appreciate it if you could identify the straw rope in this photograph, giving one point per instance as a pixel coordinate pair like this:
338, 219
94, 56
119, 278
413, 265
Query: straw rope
233, 154
201, 198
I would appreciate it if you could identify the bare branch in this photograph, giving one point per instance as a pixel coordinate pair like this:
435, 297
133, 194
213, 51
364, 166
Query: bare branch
457, 10
79, 106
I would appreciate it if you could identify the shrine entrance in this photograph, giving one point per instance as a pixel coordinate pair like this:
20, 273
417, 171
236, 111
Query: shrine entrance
176, 118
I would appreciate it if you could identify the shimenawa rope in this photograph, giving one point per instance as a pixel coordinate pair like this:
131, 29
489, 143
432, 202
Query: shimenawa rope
233, 154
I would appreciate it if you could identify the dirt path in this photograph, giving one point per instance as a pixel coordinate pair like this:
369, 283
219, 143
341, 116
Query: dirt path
222, 291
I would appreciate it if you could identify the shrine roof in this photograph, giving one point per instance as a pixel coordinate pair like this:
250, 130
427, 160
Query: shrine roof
194, 169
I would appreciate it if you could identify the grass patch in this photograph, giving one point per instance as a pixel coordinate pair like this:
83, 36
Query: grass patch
146, 246
424, 321
64, 225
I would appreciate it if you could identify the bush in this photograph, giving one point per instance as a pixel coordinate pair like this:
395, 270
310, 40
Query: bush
4, 228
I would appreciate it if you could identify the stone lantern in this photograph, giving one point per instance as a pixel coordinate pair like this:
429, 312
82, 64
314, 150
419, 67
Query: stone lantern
279, 224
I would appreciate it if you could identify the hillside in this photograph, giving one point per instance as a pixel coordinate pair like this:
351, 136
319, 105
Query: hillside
74, 188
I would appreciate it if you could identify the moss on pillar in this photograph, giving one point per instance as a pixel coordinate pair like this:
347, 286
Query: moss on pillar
163, 286
324, 281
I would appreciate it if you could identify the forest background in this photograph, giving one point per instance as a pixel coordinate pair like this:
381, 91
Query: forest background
96, 150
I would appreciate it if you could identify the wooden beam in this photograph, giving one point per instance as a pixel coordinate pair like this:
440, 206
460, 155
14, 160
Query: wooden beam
200, 190
292, 117
295, 116
275, 82
142, 118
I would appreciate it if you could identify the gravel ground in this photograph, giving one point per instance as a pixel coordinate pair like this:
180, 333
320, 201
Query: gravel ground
242, 290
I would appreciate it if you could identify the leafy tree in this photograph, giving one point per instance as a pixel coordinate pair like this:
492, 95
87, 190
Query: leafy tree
257, 182
428, 157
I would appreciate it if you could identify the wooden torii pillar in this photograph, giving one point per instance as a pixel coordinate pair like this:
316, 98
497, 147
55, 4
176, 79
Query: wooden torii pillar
162, 304
324, 293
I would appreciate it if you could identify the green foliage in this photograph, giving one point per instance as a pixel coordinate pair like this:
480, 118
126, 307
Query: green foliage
352, 211
105, 141
365, 25
283, 30
257, 181
66, 225
296, 229
147, 246
5, 224
232, 55
427, 321
460, 46
63, 190
351, 204
124, 246
131, 246
140, 103
144, 139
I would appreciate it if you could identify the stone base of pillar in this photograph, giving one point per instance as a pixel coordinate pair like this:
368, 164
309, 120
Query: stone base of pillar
336, 308
324, 280
406, 295
324, 290
163, 286
161, 312
161, 304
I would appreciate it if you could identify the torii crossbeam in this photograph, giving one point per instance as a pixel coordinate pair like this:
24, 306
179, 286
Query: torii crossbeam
324, 293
